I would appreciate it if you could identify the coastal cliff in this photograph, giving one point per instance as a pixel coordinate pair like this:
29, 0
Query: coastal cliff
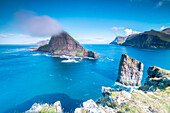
119, 40
64, 44
130, 71
148, 39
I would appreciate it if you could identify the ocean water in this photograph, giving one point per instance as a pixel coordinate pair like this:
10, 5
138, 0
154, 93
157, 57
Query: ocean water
28, 77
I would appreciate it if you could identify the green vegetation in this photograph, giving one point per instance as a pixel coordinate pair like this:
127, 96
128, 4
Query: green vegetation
59, 49
73, 39
47, 109
80, 52
160, 34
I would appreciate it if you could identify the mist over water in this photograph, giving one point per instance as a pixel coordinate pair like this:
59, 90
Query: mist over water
29, 77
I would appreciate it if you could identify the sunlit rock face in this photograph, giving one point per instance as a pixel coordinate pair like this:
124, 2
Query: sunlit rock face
119, 40
45, 108
64, 44
130, 71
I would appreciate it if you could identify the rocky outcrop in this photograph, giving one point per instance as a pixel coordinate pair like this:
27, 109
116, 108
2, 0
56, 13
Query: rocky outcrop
46, 108
167, 30
149, 39
119, 40
130, 71
64, 44
158, 79
91, 107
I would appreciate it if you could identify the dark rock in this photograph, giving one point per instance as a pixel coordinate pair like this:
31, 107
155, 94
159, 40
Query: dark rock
130, 71
64, 44
149, 39
158, 79
119, 40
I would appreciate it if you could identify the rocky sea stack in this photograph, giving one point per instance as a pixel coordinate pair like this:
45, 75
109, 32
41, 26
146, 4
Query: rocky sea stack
130, 71
64, 44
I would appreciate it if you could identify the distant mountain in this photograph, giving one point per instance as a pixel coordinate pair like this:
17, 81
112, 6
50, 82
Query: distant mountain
64, 44
119, 40
43, 41
148, 39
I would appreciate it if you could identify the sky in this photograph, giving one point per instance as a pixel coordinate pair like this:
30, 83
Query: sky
88, 21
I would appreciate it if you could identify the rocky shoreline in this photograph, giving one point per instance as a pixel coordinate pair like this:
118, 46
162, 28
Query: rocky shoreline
152, 97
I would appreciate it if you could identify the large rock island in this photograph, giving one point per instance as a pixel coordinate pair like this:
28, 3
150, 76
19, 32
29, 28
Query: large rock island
64, 44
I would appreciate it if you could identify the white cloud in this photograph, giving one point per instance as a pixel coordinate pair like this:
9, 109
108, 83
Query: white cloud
22, 39
30, 23
3, 36
128, 32
162, 28
11, 34
117, 28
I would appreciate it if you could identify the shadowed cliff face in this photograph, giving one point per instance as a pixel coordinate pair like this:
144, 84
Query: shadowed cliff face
150, 39
64, 44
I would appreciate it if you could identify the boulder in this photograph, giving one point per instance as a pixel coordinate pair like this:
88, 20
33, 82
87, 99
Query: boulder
43, 108
130, 71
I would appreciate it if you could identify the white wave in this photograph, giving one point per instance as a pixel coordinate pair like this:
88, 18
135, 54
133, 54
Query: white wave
47, 54
36, 54
64, 56
55, 55
110, 59
89, 58
70, 61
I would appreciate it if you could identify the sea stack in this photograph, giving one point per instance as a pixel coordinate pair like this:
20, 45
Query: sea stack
64, 44
130, 71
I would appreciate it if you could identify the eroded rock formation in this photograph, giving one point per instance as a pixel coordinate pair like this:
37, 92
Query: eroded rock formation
130, 71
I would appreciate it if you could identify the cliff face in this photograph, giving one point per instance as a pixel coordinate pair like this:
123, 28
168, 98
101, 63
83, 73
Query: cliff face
130, 71
150, 39
64, 44
119, 40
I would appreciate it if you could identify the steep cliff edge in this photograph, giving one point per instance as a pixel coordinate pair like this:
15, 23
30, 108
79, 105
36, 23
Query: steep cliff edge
64, 44
150, 39
130, 71
119, 40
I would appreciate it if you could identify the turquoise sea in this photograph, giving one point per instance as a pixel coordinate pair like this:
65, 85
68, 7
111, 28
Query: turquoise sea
28, 77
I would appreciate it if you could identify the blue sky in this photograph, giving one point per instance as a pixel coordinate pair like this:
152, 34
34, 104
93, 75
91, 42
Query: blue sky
88, 21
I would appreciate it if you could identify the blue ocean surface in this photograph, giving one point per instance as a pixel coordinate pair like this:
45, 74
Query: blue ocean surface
28, 77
